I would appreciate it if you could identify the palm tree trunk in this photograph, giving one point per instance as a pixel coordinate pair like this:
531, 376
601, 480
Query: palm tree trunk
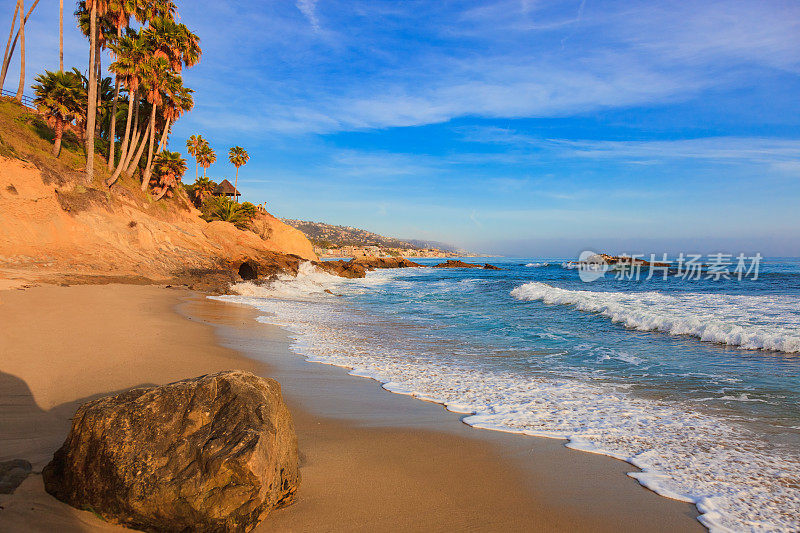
164, 136
61, 36
99, 78
136, 134
91, 113
123, 151
236, 186
7, 61
112, 130
59, 133
138, 157
6, 54
148, 166
196, 169
21, 53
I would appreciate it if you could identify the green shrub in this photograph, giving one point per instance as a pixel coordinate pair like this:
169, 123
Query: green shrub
225, 209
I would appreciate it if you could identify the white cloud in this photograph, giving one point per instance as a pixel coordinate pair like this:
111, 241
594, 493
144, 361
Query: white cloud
309, 9
781, 153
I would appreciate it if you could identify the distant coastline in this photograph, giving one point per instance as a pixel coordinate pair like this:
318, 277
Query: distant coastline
336, 242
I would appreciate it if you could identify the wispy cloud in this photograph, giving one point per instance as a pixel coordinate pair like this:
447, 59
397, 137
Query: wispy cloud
784, 152
309, 9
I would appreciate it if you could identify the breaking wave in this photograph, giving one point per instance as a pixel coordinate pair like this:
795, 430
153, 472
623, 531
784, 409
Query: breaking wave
752, 322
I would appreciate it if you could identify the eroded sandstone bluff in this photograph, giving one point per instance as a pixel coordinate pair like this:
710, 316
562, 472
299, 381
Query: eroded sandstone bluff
214, 453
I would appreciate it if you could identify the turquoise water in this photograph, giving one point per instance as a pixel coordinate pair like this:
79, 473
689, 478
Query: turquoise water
696, 382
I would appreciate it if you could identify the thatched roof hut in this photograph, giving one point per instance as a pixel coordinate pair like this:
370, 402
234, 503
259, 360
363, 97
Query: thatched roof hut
225, 188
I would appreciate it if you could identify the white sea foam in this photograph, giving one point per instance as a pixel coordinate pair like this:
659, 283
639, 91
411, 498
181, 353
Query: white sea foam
537, 265
752, 322
738, 482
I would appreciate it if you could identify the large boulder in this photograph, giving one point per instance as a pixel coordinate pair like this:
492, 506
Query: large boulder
213, 453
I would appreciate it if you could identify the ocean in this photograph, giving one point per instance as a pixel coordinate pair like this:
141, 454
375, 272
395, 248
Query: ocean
694, 381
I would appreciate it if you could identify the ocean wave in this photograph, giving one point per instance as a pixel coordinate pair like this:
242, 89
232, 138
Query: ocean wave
738, 481
752, 322
309, 282
537, 265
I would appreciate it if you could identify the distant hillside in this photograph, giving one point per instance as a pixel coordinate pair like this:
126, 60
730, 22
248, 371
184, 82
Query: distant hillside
329, 236
422, 245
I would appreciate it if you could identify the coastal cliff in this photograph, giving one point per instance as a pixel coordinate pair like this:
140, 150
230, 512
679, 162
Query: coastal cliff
54, 224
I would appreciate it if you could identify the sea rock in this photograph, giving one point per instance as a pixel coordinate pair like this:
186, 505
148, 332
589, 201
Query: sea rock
213, 453
371, 263
453, 263
345, 269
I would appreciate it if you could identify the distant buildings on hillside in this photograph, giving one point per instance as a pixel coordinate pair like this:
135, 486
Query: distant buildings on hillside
377, 251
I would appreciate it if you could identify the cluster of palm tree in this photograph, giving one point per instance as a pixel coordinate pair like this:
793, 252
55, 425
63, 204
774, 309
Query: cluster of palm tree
205, 156
149, 49
148, 64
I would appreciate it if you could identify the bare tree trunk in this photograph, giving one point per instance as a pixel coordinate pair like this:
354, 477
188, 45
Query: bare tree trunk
59, 134
149, 166
61, 36
135, 137
236, 186
138, 157
21, 52
91, 113
112, 133
7, 62
98, 56
123, 151
136, 134
164, 137
7, 53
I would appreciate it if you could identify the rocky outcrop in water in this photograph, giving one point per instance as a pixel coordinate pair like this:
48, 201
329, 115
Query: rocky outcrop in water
371, 263
345, 269
453, 263
214, 453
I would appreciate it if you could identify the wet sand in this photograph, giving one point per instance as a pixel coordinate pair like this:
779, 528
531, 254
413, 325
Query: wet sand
370, 460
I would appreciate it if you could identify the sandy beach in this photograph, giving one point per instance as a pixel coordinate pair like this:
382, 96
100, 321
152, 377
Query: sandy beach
370, 460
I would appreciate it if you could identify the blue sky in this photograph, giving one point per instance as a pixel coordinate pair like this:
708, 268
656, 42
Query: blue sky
517, 127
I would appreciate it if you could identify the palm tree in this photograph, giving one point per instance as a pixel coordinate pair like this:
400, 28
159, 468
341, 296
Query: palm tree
193, 145
201, 189
207, 157
130, 51
59, 97
174, 42
225, 209
168, 169
104, 34
178, 101
158, 79
91, 108
238, 156
119, 13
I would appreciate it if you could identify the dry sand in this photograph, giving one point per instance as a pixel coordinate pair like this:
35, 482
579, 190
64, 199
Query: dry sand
371, 460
